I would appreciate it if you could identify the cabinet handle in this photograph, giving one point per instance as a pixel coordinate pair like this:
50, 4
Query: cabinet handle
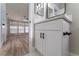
42, 35
67, 33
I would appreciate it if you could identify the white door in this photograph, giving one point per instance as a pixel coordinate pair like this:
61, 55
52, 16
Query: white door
65, 45
3, 23
0, 25
53, 43
38, 41
66, 28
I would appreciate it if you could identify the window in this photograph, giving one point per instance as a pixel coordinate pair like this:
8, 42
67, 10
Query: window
13, 29
26, 29
18, 27
21, 29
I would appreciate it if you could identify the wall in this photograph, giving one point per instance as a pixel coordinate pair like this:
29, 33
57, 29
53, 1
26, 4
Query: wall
31, 34
74, 42
38, 18
17, 11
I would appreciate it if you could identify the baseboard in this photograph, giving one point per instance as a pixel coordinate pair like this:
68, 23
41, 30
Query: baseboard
73, 54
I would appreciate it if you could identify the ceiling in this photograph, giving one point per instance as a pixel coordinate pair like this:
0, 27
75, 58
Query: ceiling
17, 11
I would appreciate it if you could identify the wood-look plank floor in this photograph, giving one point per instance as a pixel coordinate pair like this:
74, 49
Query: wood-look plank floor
16, 45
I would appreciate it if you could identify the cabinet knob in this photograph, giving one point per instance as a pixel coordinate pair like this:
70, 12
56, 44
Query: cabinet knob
3, 24
67, 33
42, 35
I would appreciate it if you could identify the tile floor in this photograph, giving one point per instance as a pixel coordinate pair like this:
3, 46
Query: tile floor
33, 53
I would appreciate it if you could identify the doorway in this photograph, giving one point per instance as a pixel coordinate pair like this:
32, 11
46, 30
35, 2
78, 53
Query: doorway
18, 37
17, 42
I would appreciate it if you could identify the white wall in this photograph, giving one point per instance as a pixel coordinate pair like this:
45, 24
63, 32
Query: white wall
17, 11
38, 18
74, 42
31, 18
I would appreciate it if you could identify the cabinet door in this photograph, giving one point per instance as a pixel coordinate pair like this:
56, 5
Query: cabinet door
53, 43
65, 45
66, 28
3, 23
0, 26
38, 41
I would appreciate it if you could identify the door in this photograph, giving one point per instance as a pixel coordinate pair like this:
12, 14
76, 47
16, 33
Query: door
65, 45
38, 41
0, 25
66, 28
3, 23
53, 43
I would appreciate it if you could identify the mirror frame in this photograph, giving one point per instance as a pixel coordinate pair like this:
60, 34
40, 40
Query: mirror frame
35, 10
56, 15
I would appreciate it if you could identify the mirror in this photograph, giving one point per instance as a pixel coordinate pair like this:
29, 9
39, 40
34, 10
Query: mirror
39, 9
54, 9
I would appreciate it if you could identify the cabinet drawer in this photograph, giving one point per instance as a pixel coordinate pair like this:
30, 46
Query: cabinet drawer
51, 25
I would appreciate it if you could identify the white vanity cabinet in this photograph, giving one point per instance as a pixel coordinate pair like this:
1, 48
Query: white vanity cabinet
49, 38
